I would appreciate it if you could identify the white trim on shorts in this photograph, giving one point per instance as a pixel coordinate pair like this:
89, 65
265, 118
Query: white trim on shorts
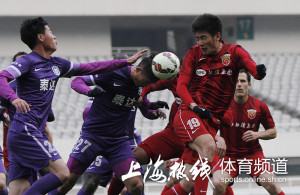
38, 142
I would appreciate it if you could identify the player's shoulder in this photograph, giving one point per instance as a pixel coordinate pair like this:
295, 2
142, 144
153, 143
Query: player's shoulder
58, 60
231, 47
257, 101
26, 59
195, 47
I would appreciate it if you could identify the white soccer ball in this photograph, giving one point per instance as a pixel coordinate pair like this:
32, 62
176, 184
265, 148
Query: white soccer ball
165, 65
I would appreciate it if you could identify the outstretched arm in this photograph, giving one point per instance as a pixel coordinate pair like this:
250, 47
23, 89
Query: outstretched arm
105, 66
244, 60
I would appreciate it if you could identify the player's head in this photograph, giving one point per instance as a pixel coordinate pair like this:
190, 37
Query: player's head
18, 55
243, 84
142, 74
36, 32
208, 33
120, 56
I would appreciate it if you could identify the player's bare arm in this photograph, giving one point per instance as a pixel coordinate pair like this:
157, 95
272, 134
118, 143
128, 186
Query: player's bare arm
265, 135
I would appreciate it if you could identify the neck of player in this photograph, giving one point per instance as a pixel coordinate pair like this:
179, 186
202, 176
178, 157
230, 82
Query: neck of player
46, 53
240, 99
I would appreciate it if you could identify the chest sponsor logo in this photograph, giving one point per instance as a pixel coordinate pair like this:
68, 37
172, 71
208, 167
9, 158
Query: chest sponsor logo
225, 59
201, 72
251, 113
243, 125
122, 100
55, 70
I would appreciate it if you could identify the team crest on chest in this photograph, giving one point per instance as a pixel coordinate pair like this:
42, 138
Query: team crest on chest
56, 70
225, 59
251, 113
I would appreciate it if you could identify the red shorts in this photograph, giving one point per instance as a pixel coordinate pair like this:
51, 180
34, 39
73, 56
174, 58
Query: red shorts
188, 126
253, 165
165, 143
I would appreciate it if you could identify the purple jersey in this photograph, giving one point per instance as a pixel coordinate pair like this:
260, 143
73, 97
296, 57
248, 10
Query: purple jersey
38, 84
109, 111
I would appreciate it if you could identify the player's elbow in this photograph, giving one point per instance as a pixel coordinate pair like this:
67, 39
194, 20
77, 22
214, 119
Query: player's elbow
272, 134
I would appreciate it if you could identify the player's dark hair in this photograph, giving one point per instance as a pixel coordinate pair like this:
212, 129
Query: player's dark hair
30, 28
20, 53
146, 65
207, 23
247, 73
120, 56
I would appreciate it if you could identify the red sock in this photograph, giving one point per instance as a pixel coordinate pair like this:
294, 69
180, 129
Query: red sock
229, 191
166, 188
115, 187
281, 193
176, 190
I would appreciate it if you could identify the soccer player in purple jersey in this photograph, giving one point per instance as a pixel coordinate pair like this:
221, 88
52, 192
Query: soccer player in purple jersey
104, 131
100, 171
37, 74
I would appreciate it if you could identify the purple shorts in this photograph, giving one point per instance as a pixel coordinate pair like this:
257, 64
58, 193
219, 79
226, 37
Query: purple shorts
115, 150
100, 166
28, 150
16, 171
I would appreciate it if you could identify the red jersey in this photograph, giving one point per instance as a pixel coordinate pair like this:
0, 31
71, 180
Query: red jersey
162, 85
247, 116
210, 81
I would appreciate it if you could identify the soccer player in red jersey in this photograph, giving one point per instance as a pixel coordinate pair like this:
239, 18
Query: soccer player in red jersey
206, 86
165, 143
242, 139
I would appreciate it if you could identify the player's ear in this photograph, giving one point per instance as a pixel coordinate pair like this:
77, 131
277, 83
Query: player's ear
249, 85
40, 37
138, 69
218, 36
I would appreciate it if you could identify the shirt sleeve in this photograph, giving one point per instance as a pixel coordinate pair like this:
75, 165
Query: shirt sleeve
266, 117
185, 74
79, 69
19, 67
244, 61
81, 84
188, 63
68, 69
6, 91
147, 112
160, 85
